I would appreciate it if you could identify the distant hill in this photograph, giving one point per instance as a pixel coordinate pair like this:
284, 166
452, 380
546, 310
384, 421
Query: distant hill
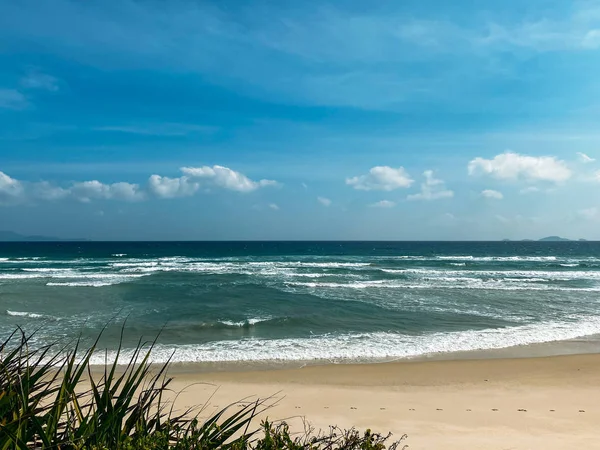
548, 239
11, 236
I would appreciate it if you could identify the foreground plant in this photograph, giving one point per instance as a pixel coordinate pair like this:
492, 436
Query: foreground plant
50, 399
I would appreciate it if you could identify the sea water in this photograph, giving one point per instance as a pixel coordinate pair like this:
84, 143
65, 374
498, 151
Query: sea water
302, 301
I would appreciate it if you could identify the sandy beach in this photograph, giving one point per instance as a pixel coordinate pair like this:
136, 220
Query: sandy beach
522, 403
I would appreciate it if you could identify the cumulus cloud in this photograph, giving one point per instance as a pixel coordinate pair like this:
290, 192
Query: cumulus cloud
274, 206
47, 191
14, 191
10, 189
513, 166
324, 201
205, 177
165, 187
18, 191
584, 158
87, 191
490, 193
383, 204
381, 178
431, 189
226, 178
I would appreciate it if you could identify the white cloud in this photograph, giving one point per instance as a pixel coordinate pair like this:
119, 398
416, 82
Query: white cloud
206, 177
165, 187
38, 80
226, 178
383, 204
381, 178
431, 189
10, 189
274, 206
47, 191
95, 190
490, 193
84, 191
324, 201
585, 158
12, 99
513, 166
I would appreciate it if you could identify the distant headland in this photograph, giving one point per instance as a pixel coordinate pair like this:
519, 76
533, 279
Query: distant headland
549, 239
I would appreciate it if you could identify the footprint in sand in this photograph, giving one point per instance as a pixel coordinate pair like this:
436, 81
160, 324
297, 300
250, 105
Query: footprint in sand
352, 407
469, 410
522, 410
411, 409
382, 408
494, 409
438, 409
581, 410
326, 407
552, 410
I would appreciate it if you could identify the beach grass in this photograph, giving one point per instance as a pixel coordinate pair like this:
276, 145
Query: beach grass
52, 398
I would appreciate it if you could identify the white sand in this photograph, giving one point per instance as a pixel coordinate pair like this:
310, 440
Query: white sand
528, 403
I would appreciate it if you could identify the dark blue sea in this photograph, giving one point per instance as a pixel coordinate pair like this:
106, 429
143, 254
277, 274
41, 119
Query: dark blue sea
303, 301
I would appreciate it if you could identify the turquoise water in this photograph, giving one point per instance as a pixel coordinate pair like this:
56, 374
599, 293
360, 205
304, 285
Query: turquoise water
299, 301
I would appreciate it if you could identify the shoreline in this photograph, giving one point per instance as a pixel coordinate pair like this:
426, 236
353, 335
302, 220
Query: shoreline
581, 346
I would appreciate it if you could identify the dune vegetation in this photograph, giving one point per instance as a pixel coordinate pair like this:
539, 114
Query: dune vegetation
51, 397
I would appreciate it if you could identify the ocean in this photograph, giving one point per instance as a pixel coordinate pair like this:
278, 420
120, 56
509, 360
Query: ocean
303, 302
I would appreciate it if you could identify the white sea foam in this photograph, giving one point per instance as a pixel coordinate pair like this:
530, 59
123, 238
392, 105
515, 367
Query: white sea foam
48, 270
243, 323
68, 274
94, 280
119, 255
88, 283
256, 268
24, 314
533, 284
372, 346
498, 258
547, 274
20, 276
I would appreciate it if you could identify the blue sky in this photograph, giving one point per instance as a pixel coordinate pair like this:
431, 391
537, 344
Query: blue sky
313, 120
